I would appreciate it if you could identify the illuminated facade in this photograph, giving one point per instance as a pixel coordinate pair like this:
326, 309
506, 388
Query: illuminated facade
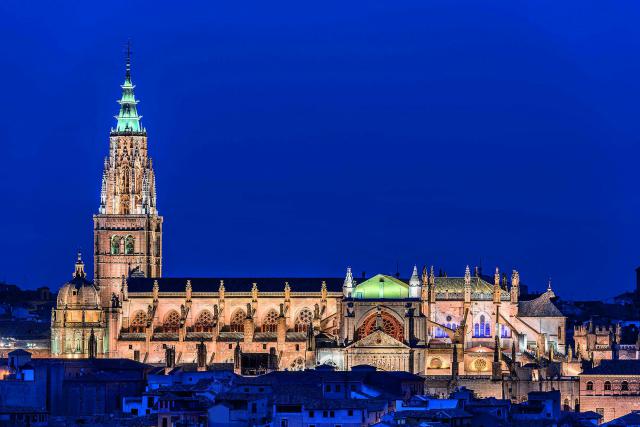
426, 324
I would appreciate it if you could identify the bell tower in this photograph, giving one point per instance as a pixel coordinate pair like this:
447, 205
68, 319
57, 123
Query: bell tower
127, 229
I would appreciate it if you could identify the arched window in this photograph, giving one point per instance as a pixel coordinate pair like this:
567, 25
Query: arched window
171, 322
303, 320
138, 322
590, 386
270, 322
237, 321
204, 322
505, 331
438, 332
566, 406
482, 328
607, 386
115, 245
390, 325
624, 386
128, 245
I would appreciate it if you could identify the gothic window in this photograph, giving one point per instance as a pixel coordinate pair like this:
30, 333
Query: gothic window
204, 322
171, 322
439, 332
115, 245
590, 386
390, 326
566, 406
505, 331
138, 322
128, 245
237, 321
624, 386
303, 320
607, 386
482, 328
270, 322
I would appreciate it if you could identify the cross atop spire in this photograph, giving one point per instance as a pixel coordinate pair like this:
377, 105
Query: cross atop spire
128, 118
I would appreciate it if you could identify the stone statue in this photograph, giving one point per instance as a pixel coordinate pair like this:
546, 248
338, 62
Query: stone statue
215, 311
316, 311
149, 312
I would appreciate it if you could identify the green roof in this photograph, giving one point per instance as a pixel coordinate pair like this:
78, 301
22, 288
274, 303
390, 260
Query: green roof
381, 286
128, 118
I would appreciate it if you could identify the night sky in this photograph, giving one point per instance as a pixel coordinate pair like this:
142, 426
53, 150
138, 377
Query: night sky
299, 138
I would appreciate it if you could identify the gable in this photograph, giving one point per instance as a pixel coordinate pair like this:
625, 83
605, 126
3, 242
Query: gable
377, 339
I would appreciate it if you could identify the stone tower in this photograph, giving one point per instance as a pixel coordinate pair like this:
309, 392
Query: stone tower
127, 229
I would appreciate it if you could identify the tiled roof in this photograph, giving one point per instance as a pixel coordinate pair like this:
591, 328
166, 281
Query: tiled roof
542, 306
615, 367
235, 284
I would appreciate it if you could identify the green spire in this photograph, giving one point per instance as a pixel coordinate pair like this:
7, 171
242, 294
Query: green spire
128, 118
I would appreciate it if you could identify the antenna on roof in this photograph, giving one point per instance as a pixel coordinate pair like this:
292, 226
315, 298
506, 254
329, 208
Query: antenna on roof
397, 270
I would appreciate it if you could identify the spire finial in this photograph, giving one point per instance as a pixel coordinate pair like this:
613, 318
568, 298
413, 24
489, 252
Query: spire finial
128, 117
128, 62
79, 270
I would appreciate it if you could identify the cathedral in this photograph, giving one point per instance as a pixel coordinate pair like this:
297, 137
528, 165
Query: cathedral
428, 324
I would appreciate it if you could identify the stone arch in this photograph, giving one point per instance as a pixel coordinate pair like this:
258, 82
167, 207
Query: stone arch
270, 321
390, 325
384, 309
115, 244
303, 321
171, 322
138, 321
236, 323
204, 322
435, 363
129, 245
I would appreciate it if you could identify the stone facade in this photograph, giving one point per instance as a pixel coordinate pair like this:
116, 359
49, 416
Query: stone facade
611, 389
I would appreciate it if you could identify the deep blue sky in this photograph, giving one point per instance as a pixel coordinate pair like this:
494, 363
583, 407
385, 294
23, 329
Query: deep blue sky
298, 138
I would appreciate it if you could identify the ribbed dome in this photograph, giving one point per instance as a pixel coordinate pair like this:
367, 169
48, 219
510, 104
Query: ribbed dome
78, 292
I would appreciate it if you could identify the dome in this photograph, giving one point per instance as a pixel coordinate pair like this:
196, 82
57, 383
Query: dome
381, 287
78, 292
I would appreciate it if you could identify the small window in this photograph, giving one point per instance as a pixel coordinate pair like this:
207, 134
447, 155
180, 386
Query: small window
624, 386
590, 386
311, 414
297, 347
607, 386
350, 412
230, 346
338, 387
327, 387
332, 414
264, 346
325, 414
284, 423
